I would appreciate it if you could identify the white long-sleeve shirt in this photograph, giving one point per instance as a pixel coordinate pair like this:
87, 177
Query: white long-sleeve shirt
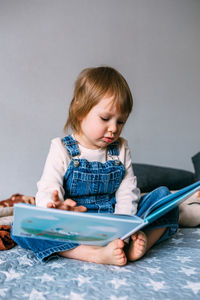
58, 159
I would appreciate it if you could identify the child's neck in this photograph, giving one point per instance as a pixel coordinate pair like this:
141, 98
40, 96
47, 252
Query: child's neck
81, 141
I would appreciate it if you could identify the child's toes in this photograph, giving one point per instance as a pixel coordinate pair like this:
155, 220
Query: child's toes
141, 236
134, 236
118, 251
122, 260
137, 247
141, 243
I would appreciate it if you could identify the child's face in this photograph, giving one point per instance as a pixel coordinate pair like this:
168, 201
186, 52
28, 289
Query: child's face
102, 125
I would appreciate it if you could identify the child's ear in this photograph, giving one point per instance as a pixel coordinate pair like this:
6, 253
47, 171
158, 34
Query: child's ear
78, 110
75, 109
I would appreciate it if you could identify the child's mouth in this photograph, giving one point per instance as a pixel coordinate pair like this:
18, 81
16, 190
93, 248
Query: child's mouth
108, 139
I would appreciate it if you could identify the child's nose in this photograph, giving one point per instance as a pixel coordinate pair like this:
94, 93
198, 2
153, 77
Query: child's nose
113, 127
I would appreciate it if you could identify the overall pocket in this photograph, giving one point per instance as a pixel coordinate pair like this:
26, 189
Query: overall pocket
94, 184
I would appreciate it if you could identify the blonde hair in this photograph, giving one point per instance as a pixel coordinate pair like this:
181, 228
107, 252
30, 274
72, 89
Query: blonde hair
91, 86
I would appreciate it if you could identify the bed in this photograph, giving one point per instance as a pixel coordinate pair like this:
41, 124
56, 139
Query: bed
170, 270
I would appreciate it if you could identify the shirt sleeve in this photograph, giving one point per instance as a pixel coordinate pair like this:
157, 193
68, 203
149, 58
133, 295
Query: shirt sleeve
53, 173
127, 195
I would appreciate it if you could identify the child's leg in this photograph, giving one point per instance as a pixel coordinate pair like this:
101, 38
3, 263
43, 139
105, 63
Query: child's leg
112, 254
161, 229
140, 242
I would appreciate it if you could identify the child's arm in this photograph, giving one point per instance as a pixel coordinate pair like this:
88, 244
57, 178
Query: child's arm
128, 194
67, 204
52, 179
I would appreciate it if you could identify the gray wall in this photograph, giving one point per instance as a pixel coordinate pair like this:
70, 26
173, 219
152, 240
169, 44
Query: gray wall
44, 44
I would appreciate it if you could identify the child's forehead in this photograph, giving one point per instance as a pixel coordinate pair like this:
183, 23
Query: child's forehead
107, 102
108, 105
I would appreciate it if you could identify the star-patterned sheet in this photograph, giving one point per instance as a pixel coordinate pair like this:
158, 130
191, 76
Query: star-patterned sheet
170, 270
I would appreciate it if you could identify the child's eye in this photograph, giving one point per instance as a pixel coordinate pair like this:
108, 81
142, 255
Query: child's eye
104, 119
120, 122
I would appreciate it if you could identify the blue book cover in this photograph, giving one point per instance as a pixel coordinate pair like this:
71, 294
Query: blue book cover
60, 225
89, 228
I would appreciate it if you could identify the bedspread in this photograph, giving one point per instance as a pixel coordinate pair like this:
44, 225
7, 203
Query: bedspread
170, 270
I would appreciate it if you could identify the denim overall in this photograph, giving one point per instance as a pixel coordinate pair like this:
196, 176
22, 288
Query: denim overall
93, 185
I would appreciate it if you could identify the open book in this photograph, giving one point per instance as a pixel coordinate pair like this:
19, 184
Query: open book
89, 228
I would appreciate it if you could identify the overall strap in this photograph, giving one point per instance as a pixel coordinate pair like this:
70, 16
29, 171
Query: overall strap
113, 148
71, 145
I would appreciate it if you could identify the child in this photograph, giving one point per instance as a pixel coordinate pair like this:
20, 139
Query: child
91, 170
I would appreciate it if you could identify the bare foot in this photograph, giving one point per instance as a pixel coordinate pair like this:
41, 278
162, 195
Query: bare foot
112, 254
138, 246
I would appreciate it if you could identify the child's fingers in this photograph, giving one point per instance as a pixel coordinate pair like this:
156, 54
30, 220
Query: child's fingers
69, 202
50, 205
80, 208
56, 199
55, 196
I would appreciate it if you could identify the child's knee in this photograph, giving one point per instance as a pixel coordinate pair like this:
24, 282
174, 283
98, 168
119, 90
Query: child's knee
163, 191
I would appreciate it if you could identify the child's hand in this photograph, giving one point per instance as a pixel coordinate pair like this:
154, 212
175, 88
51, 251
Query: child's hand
68, 204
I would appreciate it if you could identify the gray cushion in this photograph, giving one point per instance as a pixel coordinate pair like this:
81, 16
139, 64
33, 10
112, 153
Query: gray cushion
196, 163
150, 177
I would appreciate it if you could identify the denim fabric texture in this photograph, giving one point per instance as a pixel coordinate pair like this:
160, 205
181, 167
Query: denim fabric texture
93, 184
169, 220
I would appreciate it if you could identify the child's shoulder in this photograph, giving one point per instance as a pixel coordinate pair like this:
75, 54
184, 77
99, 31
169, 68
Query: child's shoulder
58, 149
123, 143
57, 145
57, 141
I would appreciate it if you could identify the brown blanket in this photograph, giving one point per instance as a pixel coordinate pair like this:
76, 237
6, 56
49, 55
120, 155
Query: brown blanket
6, 212
16, 198
5, 240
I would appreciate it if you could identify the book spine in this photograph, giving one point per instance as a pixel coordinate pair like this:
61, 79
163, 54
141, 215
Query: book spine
134, 230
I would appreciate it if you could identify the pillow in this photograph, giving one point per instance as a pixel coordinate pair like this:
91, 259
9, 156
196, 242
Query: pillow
196, 163
149, 177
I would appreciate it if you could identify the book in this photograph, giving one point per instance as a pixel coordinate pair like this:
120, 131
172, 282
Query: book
90, 228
